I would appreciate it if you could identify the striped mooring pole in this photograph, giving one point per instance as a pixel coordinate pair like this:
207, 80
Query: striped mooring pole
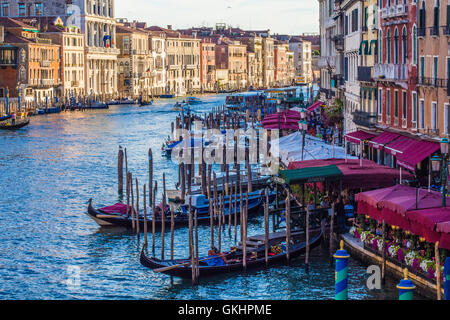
406, 288
341, 274
447, 279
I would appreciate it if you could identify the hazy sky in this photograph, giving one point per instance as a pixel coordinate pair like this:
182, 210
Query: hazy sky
280, 16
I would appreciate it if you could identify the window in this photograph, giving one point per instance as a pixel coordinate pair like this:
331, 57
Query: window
388, 46
21, 9
433, 115
380, 40
414, 45
404, 45
436, 14
422, 67
414, 109
396, 103
446, 118
422, 114
396, 51
4, 10
380, 101
388, 103
38, 9
435, 70
404, 105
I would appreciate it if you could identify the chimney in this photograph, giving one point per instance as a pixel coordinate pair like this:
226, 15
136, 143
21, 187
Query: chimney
169, 26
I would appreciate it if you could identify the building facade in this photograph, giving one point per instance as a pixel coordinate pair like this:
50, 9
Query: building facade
30, 64
135, 63
431, 113
208, 65
396, 70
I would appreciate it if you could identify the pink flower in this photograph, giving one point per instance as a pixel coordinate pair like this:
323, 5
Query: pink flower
415, 264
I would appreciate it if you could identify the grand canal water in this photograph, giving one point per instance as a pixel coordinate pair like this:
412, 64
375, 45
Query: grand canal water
51, 168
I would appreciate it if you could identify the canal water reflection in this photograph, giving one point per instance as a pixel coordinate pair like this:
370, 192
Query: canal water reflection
51, 250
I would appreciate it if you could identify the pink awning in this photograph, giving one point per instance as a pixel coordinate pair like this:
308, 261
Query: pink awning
399, 145
314, 106
358, 136
443, 227
384, 138
282, 126
416, 153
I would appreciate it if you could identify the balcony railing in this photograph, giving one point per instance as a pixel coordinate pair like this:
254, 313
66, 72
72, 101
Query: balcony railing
432, 82
390, 72
421, 32
434, 31
446, 30
365, 119
394, 11
45, 63
365, 74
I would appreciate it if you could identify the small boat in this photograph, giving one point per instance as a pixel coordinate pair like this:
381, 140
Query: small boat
214, 265
98, 105
194, 100
167, 96
116, 215
145, 103
16, 126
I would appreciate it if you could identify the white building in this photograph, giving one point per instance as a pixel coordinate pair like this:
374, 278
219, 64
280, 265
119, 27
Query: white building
157, 43
353, 10
302, 60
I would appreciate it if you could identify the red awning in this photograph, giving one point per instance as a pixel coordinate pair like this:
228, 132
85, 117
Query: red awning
415, 153
384, 138
358, 136
314, 106
399, 145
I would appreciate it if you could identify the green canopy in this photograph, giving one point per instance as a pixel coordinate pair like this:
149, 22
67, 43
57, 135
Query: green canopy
312, 174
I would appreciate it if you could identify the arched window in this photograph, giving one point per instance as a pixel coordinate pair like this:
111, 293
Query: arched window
396, 46
388, 46
380, 47
404, 45
414, 45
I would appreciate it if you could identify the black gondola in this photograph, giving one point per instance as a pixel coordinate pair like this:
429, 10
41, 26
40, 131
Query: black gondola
184, 270
120, 219
16, 126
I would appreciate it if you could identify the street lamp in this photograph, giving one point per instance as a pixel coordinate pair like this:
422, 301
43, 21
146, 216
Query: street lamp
442, 165
303, 126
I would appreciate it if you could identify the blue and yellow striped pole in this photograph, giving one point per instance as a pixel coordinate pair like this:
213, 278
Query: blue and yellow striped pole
406, 288
447, 279
341, 274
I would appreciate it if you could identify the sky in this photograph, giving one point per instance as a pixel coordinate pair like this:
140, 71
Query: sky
280, 16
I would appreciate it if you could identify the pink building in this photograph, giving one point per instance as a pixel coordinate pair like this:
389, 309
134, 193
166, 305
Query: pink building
208, 65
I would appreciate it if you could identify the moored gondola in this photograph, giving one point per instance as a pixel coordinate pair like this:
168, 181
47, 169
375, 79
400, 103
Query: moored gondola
214, 265
116, 215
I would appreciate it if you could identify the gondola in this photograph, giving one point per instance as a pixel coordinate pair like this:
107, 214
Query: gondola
16, 126
116, 216
5, 118
145, 103
183, 266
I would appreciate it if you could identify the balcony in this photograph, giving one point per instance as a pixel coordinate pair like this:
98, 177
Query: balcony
364, 119
390, 72
394, 11
432, 82
434, 31
75, 84
365, 74
338, 42
45, 63
446, 30
421, 32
